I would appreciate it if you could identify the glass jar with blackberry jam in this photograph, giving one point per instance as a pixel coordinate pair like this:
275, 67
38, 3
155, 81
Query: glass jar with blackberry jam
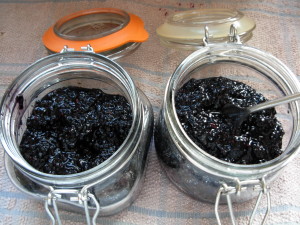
201, 150
74, 126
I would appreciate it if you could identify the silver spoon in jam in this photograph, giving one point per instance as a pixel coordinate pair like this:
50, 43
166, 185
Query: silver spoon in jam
239, 114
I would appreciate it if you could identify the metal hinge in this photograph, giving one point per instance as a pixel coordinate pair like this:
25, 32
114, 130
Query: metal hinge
233, 35
257, 185
87, 48
82, 196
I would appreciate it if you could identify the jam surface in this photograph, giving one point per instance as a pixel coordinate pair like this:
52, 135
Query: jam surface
199, 106
74, 129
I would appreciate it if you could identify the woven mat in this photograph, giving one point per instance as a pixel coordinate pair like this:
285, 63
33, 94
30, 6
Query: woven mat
22, 24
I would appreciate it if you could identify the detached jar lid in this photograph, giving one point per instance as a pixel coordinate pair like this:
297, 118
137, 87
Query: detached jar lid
188, 29
106, 30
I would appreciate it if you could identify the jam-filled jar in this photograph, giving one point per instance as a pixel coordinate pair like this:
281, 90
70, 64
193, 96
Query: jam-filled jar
113, 184
218, 36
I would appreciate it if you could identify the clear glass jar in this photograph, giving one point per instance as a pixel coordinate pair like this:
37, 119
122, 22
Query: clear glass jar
196, 172
106, 188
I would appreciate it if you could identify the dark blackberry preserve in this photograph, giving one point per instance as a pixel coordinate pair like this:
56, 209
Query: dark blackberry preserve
199, 106
74, 129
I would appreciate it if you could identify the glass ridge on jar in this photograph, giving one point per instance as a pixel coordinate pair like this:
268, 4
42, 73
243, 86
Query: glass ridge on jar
189, 167
115, 183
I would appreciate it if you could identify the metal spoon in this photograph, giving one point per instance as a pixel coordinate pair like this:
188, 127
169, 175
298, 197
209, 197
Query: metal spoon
239, 114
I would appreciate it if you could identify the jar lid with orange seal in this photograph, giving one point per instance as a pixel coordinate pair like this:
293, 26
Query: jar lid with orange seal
110, 32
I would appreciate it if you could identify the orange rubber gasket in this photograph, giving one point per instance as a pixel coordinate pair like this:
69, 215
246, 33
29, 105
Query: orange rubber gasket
133, 32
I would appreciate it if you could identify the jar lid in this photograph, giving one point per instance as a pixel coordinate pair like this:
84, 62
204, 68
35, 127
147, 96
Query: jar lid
189, 29
108, 31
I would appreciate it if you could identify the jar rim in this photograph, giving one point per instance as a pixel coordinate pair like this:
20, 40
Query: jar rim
122, 155
187, 147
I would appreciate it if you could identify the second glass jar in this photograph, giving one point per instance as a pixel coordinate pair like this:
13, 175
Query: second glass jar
196, 172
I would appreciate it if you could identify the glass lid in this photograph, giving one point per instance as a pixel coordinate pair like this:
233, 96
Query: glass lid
188, 29
108, 31
88, 26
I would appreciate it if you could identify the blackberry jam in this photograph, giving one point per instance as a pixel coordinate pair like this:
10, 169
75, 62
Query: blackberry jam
74, 129
199, 106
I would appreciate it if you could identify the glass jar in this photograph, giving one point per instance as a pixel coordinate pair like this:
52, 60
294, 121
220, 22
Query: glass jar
199, 174
78, 39
105, 189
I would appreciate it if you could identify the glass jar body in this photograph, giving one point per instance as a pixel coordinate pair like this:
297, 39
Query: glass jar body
114, 183
199, 183
189, 167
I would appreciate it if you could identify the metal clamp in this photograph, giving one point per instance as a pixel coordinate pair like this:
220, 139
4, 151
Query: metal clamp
233, 34
258, 185
206, 35
82, 196
87, 48
67, 49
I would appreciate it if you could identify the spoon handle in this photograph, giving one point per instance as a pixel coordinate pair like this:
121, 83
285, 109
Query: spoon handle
275, 102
